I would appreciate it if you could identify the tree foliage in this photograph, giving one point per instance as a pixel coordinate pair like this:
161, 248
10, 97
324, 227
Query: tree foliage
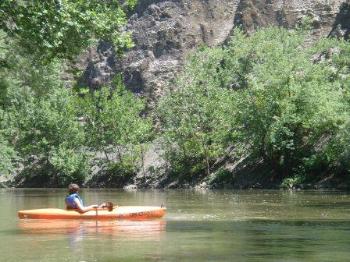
44, 129
7, 156
291, 106
270, 95
41, 126
62, 28
197, 116
113, 121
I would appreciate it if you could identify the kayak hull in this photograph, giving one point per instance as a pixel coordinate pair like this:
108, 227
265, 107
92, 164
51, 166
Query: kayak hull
122, 212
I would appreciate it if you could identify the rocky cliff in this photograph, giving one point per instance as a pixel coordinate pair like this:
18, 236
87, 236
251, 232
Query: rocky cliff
165, 31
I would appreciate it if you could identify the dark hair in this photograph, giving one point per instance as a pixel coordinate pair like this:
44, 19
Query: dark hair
73, 188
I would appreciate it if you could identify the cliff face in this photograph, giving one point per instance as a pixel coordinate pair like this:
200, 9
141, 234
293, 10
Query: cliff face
165, 31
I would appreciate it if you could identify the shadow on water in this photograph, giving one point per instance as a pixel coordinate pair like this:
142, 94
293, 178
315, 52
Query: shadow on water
336, 205
253, 224
262, 240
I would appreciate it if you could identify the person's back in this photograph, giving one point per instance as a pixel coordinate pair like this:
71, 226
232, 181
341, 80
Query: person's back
74, 201
73, 197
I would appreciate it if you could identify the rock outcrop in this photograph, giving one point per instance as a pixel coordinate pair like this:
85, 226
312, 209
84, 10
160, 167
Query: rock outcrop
165, 31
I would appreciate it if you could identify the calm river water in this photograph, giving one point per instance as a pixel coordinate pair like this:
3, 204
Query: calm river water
199, 226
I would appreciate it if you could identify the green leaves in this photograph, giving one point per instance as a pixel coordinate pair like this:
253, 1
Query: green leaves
197, 116
63, 28
113, 121
113, 117
280, 99
41, 120
7, 155
289, 102
69, 164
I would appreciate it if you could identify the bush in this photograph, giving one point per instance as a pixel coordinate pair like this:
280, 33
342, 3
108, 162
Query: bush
69, 165
268, 95
197, 116
8, 156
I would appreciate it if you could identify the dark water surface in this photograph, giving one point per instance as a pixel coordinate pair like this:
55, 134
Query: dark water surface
199, 226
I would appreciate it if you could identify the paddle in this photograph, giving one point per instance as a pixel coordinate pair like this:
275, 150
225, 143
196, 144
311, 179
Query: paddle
108, 205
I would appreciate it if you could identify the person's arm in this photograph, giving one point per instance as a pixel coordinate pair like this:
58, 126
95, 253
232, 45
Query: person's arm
83, 209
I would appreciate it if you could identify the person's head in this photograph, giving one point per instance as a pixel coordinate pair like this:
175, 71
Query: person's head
73, 188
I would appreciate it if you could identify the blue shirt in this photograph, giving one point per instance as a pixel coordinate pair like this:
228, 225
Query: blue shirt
70, 201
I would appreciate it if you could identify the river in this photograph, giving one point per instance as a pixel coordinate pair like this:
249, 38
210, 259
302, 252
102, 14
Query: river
252, 225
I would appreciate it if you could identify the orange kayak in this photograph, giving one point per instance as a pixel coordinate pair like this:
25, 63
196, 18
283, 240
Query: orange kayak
122, 212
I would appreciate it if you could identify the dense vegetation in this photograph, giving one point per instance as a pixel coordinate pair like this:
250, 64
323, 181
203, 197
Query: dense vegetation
62, 28
271, 97
51, 134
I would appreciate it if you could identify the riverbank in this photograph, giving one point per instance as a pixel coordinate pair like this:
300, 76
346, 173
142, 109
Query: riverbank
242, 174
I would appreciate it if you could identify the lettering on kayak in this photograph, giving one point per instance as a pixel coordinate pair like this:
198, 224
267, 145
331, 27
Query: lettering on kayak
136, 214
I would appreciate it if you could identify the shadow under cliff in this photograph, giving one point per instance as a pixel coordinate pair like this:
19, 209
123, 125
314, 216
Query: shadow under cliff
341, 26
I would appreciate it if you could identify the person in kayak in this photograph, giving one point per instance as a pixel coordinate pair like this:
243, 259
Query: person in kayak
74, 201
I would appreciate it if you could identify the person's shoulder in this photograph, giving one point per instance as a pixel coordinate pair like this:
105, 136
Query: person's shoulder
74, 195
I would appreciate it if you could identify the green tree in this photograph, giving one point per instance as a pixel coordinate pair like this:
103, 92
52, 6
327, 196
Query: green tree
113, 123
7, 155
39, 118
197, 117
270, 95
291, 107
34, 107
44, 129
63, 28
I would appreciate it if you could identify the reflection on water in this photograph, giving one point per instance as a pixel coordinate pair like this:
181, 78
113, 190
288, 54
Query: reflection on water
122, 228
77, 231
